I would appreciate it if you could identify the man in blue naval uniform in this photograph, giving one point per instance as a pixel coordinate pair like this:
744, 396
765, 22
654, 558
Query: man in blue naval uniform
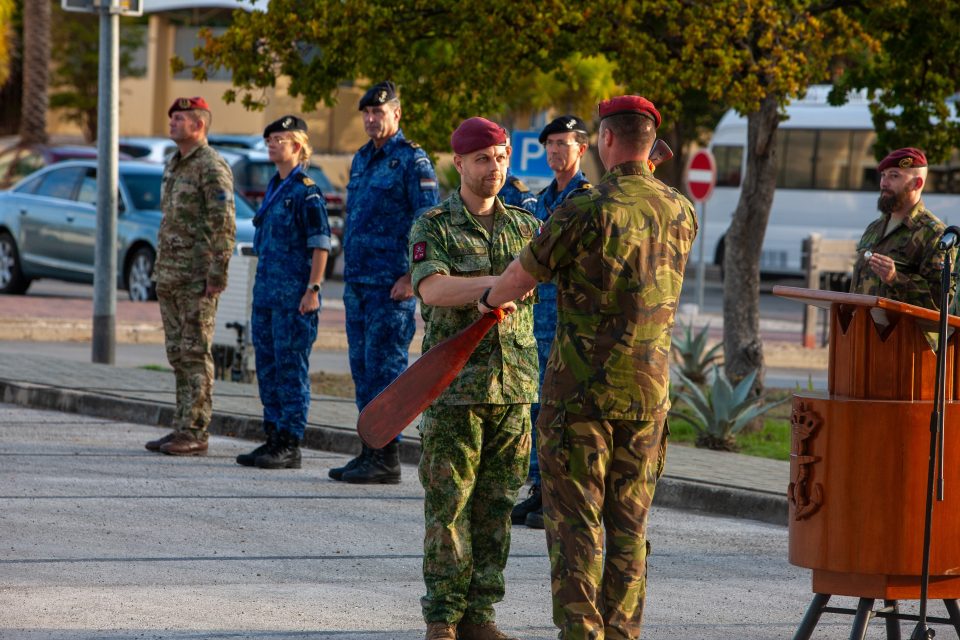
391, 182
292, 242
565, 140
515, 192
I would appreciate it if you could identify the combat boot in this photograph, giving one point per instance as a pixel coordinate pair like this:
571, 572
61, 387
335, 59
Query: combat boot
533, 503
249, 459
535, 519
154, 445
441, 631
382, 466
484, 631
337, 472
284, 453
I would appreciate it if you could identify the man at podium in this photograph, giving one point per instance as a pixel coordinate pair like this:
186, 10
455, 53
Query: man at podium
897, 257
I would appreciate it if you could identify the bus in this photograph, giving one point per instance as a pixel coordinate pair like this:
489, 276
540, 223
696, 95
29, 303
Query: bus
827, 180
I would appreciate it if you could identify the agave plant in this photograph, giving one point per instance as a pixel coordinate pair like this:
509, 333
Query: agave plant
718, 416
692, 356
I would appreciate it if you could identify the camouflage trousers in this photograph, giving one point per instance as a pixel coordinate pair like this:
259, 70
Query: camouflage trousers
188, 319
473, 464
598, 478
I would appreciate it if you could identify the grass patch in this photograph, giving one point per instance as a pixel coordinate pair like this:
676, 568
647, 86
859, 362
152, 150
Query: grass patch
338, 385
773, 441
156, 367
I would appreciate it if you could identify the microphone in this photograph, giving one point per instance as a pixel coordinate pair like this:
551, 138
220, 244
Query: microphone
949, 238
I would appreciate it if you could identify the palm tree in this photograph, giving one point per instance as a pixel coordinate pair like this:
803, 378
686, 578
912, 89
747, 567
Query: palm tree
36, 67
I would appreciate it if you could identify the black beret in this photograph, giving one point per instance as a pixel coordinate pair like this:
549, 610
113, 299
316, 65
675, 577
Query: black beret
563, 124
286, 123
380, 93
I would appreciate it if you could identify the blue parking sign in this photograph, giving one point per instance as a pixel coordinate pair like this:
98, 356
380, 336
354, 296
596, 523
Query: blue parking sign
529, 159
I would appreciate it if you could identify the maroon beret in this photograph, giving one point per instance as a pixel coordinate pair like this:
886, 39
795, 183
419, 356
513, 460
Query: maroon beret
188, 104
629, 104
906, 158
477, 133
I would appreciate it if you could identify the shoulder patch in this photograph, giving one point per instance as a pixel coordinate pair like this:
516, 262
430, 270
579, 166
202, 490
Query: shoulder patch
432, 213
306, 180
411, 144
518, 184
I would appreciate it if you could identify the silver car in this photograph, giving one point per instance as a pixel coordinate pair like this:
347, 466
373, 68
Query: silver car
48, 226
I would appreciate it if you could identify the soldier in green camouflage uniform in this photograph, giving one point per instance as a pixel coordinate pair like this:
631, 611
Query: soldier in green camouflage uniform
195, 241
617, 253
476, 435
897, 256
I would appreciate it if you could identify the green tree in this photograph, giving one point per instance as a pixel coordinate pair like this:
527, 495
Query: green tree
913, 78
75, 51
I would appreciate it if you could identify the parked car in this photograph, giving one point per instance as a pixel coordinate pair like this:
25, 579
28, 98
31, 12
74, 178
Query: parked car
148, 149
20, 161
48, 226
252, 171
237, 141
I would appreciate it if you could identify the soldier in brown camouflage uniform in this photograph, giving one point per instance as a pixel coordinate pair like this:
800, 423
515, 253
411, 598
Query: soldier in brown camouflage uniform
897, 256
476, 436
617, 253
193, 249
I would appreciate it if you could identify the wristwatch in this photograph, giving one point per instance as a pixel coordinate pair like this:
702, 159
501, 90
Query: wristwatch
483, 300
314, 286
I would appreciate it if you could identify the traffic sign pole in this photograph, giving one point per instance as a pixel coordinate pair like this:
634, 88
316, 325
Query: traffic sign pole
701, 178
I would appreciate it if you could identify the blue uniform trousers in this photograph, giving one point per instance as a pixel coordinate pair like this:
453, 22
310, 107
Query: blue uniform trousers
282, 340
379, 331
544, 329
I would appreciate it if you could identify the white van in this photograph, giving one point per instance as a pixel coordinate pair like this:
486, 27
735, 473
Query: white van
827, 180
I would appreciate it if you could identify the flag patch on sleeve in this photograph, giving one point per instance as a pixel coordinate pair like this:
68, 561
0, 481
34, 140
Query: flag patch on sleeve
428, 183
419, 251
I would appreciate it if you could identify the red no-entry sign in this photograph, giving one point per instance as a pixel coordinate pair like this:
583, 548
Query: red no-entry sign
701, 175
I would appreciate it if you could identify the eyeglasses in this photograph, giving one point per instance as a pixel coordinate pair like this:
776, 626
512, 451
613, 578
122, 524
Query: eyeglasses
278, 140
560, 144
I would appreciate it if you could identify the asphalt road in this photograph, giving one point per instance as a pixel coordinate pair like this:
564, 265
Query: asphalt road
102, 539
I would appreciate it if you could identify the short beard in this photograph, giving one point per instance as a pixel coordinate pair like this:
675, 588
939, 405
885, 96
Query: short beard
889, 204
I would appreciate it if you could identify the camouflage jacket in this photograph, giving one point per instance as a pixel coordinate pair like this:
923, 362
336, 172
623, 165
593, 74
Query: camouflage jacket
617, 253
448, 240
198, 229
912, 245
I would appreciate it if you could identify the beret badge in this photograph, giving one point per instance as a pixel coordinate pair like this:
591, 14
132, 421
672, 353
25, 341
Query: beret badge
571, 123
906, 163
287, 122
382, 96
183, 103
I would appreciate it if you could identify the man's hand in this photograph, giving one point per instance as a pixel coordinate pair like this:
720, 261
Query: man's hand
310, 302
402, 289
883, 266
506, 307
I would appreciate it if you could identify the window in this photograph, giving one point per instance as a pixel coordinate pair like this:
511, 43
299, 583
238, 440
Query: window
88, 188
863, 167
944, 178
831, 167
729, 159
60, 184
797, 150
144, 189
185, 39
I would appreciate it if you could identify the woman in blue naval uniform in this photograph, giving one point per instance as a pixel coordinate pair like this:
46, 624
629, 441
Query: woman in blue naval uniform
292, 241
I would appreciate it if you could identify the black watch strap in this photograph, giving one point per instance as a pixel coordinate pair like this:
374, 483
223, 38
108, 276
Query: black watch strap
483, 300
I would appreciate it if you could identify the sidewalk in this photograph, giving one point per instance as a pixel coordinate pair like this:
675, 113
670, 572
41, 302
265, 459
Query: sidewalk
715, 482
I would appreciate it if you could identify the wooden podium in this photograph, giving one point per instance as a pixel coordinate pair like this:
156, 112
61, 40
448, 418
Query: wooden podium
859, 461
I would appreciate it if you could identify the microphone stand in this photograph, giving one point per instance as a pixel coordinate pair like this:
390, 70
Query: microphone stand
922, 631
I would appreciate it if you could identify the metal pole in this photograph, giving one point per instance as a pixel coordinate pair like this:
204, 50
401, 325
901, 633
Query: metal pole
701, 266
105, 261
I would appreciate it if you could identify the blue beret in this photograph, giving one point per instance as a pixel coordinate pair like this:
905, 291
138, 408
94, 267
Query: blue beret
380, 93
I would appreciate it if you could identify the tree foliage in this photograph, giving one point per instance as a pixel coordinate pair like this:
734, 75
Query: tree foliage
75, 75
912, 78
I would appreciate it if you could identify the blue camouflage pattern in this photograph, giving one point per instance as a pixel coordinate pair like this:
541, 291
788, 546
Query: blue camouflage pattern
545, 311
389, 187
379, 332
514, 192
290, 224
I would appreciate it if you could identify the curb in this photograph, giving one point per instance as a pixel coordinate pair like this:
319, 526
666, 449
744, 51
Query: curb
681, 493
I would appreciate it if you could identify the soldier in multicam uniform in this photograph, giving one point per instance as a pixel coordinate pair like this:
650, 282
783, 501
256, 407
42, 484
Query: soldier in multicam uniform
292, 242
565, 140
194, 245
476, 435
617, 253
897, 256
391, 182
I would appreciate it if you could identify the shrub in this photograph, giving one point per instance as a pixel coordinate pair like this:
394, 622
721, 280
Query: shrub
691, 353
